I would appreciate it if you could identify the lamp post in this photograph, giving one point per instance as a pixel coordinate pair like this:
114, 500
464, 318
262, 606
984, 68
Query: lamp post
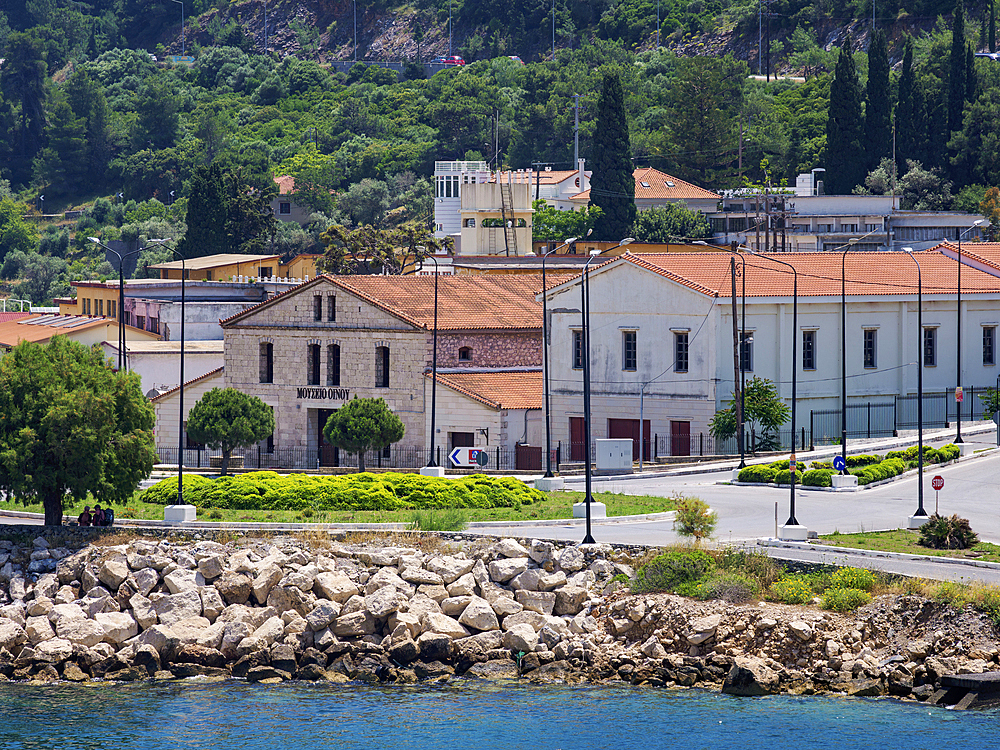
843, 352
958, 333
432, 469
183, 41
180, 511
585, 295
792, 530
551, 482
919, 518
122, 357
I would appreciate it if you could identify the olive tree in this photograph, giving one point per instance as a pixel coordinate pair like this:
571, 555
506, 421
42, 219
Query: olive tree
363, 424
71, 426
226, 419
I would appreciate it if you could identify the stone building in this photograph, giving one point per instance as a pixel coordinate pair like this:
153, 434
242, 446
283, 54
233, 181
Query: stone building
308, 351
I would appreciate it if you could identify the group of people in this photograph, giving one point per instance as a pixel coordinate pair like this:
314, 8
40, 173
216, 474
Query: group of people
96, 517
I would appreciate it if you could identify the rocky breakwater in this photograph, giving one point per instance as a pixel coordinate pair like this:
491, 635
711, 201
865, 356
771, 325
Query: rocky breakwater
272, 610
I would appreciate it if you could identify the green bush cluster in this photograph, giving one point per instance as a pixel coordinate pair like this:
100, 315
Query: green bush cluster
931, 455
671, 570
792, 590
821, 465
852, 578
756, 473
785, 476
943, 532
862, 459
267, 490
729, 587
844, 600
818, 477
891, 467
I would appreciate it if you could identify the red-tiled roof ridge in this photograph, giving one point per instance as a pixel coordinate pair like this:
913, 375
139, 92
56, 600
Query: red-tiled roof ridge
651, 174
526, 384
198, 379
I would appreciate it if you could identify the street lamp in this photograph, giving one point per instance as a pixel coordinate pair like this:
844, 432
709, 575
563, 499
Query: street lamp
180, 511
585, 295
958, 336
432, 469
122, 358
919, 518
792, 530
183, 43
549, 475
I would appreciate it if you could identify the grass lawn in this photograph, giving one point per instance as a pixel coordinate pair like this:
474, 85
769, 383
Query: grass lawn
559, 505
905, 541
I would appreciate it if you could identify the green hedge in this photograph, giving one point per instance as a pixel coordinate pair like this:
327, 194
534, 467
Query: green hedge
818, 478
862, 459
756, 473
267, 490
785, 476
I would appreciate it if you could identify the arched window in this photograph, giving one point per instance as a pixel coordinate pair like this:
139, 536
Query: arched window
465, 354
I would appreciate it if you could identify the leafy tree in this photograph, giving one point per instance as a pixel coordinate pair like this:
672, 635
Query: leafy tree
612, 187
366, 202
844, 128
226, 419
956, 69
923, 189
763, 411
878, 130
43, 279
550, 224
157, 115
206, 215
366, 250
670, 223
250, 222
361, 425
15, 234
22, 81
66, 166
70, 426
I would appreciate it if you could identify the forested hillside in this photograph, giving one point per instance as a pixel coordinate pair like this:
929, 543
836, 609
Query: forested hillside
90, 120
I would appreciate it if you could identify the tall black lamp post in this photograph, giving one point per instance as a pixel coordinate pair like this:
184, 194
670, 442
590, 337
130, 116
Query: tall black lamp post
792, 530
431, 462
183, 515
920, 517
545, 360
843, 352
958, 333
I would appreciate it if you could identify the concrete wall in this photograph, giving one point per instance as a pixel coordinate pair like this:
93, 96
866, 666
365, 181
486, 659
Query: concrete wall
161, 370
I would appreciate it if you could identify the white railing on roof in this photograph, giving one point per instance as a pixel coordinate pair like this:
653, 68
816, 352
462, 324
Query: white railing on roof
268, 279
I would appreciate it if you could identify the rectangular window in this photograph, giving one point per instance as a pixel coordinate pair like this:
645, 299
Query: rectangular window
629, 356
577, 350
871, 349
112, 309
313, 364
381, 366
208, 274
317, 308
100, 307
266, 272
284, 208
266, 362
989, 345
333, 364
809, 350
930, 347
140, 322
154, 325
331, 308
746, 352
681, 351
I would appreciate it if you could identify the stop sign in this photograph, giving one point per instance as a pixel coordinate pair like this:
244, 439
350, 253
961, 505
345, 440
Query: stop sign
938, 482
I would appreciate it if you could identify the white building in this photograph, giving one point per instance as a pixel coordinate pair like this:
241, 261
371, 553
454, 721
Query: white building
666, 348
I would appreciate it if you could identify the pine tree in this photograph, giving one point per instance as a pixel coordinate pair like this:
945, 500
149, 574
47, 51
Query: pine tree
878, 133
844, 127
612, 186
956, 70
907, 111
206, 215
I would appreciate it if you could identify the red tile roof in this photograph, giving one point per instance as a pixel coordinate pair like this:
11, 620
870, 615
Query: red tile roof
6, 317
285, 183
498, 390
866, 273
479, 302
553, 177
652, 184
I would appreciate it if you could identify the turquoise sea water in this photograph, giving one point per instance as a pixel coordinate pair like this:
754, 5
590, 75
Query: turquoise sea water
234, 715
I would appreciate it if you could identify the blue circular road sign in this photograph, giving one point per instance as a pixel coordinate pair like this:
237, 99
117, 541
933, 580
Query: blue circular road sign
838, 463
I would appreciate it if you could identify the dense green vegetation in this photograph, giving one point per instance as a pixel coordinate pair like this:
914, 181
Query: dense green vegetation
89, 121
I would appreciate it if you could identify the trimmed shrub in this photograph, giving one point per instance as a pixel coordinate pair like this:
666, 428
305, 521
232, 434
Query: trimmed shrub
863, 459
821, 465
948, 452
267, 490
941, 532
818, 478
668, 571
785, 476
757, 473
852, 578
792, 590
779, 465
844, 600
729, 587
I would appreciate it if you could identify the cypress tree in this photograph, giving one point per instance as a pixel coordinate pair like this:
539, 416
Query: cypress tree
970, 75
612, 186
206, 215
956, 70
993, 26
906, 113
878, 133
844, 127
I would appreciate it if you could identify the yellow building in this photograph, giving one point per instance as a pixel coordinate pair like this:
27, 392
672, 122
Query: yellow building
225, 267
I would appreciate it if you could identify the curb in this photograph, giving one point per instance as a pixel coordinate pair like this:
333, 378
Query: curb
805, 546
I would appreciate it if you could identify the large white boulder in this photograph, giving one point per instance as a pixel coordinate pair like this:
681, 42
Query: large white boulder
177, 607
118, 626
12, 635
521, 637
504, 569
85, 632
479, 615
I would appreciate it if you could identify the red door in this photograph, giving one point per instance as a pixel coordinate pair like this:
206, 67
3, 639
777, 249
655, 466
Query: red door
680, 438
577, 440
629, 428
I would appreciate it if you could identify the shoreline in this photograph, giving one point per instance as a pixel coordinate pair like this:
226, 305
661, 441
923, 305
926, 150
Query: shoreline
432, 608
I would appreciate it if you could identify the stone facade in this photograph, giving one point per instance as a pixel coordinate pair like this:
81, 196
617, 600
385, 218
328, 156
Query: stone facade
490, 348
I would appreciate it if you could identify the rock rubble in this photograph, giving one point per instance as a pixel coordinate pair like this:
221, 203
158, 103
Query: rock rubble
268, 610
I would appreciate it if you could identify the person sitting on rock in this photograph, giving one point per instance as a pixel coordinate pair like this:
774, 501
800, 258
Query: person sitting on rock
85, 518
98, 516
